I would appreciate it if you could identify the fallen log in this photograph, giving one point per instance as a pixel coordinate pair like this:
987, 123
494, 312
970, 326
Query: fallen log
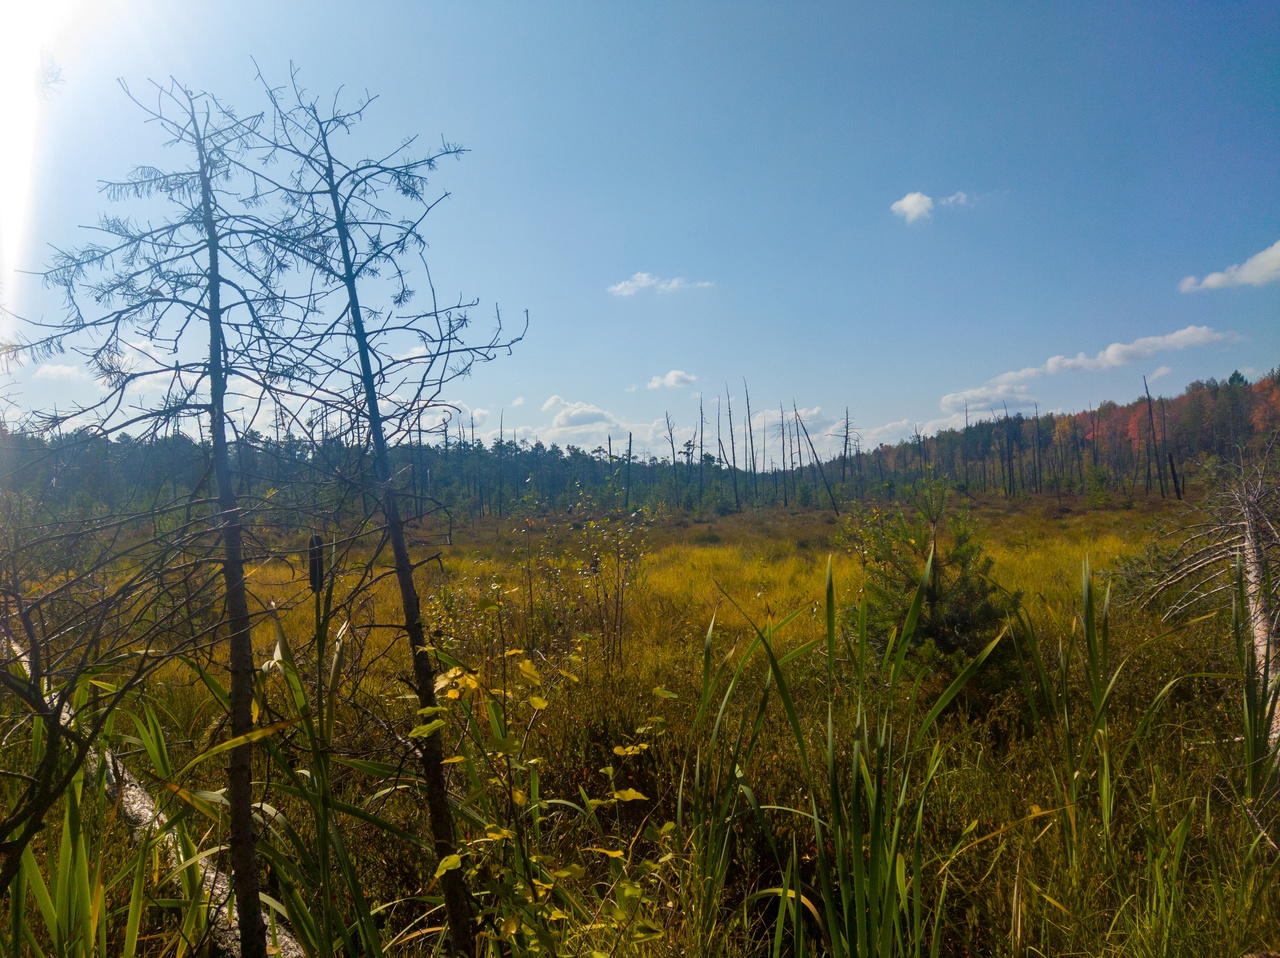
138, 809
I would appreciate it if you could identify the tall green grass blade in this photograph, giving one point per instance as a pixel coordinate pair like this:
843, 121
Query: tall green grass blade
956, 687
44, 901
137, 896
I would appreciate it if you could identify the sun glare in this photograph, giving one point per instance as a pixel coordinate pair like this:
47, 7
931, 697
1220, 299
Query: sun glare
25, 31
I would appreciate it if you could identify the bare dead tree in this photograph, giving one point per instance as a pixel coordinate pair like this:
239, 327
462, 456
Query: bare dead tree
817, 460
750, 451
1238, 535
733, 450
355, 226
671, 439
68, 621
137, 305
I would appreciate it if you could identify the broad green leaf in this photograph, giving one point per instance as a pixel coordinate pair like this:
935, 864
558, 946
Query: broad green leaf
422, 731
448, 864
530, 673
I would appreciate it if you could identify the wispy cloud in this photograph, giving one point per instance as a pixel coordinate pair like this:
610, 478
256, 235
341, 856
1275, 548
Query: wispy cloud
1011, 387
671, 285
517, 402
1258, 270
913, 206
675, 379
1014, 388
1125, 354
639, 281
919, 206
59, 371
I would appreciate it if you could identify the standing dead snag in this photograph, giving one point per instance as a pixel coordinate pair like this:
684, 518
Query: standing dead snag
1256, 502
817, 460
59, 630
79, 638
356, 228
202, 270
1240, 533
244, 868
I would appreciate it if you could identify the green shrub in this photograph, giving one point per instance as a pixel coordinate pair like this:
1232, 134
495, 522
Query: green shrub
963, 607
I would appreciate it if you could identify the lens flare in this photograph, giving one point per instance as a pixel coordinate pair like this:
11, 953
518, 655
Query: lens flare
25, 30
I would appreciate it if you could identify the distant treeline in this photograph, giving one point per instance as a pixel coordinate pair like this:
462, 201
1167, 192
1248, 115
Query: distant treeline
1148, 447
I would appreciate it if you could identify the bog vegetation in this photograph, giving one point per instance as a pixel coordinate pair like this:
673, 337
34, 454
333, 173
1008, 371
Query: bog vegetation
293, 664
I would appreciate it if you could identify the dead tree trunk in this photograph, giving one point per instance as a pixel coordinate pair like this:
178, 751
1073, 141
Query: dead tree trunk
1257, 582
1239, 532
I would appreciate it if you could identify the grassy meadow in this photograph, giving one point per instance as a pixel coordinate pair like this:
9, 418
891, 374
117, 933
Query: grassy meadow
676, 736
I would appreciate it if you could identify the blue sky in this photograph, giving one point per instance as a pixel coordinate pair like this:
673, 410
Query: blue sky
895, 208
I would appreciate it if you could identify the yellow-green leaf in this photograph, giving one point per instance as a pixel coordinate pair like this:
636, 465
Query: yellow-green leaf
448, 864
629, 795
422, 731
645, 931
530, 673
245, 739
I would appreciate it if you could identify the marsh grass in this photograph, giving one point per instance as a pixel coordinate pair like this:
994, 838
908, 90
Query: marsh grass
727, 772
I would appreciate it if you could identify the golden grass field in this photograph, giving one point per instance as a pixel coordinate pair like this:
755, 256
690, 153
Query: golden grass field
630, 779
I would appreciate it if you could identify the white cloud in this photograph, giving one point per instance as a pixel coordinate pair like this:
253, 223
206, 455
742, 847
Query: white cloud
991, 396
913, 206
675, 379
587, 426
517, 402
1011, 387
1258, 270
639, 281
1160, 373
1120, 354
58, 371
892, 432
569, 415
671, 285
889, 432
